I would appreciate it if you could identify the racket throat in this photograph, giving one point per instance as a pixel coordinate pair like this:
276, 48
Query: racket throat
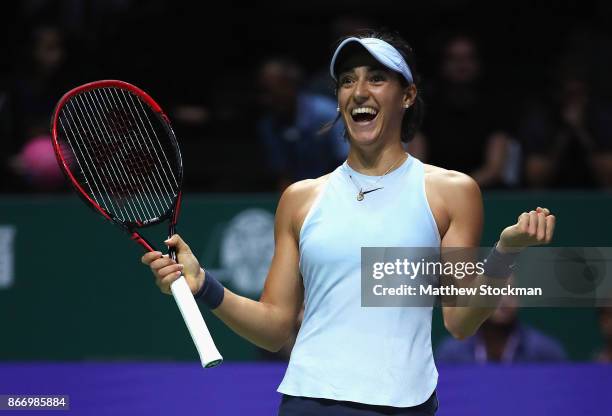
142, 241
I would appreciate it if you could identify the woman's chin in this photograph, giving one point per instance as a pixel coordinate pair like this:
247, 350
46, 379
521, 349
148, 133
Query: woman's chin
365, 138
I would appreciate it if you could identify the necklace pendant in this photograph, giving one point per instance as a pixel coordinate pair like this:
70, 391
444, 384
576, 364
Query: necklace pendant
360, 196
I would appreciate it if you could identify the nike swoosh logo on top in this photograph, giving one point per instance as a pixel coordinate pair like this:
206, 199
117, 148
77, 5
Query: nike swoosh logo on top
371, 190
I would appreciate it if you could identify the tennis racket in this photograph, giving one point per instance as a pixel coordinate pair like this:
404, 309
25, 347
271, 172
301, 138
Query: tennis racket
119, 152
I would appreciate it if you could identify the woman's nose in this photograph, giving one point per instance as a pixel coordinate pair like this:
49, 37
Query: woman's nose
360, 93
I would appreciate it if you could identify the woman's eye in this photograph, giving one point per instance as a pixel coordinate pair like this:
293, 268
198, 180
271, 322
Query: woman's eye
345, 80
377, 78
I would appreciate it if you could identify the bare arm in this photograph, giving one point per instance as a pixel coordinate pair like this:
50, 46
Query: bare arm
466, 219
464, 201
268, 322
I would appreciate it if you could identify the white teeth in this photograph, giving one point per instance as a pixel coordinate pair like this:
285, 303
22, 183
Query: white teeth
364, 110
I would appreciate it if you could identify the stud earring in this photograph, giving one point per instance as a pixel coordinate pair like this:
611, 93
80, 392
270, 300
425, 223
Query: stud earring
338, 109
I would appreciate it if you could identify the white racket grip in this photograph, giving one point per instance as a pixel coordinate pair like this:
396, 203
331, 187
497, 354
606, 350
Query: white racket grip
209, 355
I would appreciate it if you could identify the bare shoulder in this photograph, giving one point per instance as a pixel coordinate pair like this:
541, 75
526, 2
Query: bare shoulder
450, 183
456, 203
297, 200
452, 196
300, 192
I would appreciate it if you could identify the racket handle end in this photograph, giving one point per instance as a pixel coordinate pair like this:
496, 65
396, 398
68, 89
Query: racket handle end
209, 355
213, 363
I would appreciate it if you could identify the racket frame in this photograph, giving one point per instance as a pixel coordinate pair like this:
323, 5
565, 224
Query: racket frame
128, 227
209, 354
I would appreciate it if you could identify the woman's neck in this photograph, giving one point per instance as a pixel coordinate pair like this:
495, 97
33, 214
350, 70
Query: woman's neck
375, 162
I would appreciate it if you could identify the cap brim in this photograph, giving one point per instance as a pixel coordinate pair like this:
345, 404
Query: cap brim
342, 48
381, 51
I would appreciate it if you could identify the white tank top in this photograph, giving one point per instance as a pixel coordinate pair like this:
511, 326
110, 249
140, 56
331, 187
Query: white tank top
382, 355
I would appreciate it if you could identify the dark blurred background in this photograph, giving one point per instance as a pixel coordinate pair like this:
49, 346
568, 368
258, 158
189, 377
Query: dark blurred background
514, 90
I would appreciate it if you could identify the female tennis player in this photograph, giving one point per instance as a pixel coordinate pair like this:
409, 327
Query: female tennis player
350, 360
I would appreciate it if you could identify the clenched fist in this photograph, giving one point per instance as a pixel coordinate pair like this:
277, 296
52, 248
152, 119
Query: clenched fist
532, 228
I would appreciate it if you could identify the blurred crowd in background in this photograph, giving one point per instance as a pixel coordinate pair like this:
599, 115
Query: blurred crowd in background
517, 97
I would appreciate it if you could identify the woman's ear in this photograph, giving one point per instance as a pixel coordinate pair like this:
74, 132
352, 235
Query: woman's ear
410, 94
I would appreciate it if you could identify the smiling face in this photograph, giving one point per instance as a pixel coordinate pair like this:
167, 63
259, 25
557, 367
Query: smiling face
372, 99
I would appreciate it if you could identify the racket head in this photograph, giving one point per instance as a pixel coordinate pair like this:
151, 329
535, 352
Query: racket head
118, 150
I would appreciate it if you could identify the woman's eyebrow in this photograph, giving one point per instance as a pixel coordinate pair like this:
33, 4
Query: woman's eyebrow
346, 72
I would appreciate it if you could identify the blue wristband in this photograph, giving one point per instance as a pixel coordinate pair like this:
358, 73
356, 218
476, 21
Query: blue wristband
211, 293
499, 265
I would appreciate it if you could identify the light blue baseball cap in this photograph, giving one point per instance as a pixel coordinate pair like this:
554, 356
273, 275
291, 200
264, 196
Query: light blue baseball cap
382, 51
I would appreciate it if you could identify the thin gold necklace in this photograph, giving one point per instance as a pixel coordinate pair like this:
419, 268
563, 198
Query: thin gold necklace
361, 193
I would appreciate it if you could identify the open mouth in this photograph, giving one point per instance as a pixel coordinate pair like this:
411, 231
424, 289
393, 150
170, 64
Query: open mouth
363, 114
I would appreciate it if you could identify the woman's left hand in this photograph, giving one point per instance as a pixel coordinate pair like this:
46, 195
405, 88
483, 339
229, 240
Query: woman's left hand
532, 228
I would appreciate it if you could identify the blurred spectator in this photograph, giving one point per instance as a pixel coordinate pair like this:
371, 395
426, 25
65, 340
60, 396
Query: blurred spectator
290, 126
502, 338
37, 165
605, 325
462, 129
567, 142
39, 81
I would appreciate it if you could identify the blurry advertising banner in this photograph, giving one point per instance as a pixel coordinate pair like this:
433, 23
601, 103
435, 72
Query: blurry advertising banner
7, 256
59, 274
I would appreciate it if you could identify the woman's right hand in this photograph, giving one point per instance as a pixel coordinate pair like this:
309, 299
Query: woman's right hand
165, 270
